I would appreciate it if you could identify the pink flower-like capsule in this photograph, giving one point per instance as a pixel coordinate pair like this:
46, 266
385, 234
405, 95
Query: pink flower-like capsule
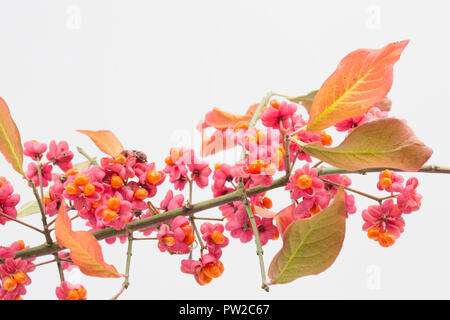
307, 137
267, 230
69, 291
337, 179
60, 155
350, 124
387, 217
172, 241
273, 116
10, 252
8, 200
83, 191
170, 202
311, 206
229, 210
113, 211
33, 175
222, 175
344, 180
55, 195
204, 270
66, 265
34, 149
151, 179
390, 181
239, 226
123, 164
14, 278
199, 169
304, 183
214, 237
409, 200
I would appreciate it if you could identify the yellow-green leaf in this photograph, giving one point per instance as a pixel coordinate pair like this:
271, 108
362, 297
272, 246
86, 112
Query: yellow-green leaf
10, 142
385, 143
361, 80
28, 209
310, 246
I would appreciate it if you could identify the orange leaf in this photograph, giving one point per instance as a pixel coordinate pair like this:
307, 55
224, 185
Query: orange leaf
10, 142
85, 251
215, 143
222, 120
362, 79
105, 140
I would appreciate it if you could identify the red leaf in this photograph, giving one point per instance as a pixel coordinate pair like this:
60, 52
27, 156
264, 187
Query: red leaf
85, 251
362, 79
105, 140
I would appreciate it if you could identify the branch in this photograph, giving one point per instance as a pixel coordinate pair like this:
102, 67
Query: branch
90, 159
259, 250
126, 282
21, 222
204, 205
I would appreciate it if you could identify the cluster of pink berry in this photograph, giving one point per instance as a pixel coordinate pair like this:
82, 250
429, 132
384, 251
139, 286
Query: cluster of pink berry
384, 223
119, 190
14, 272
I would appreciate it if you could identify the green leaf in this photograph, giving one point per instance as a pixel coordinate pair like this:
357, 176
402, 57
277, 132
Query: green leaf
310, 246
382, 143
28, 209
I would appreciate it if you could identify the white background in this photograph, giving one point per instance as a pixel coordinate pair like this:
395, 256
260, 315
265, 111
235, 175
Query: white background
149, 70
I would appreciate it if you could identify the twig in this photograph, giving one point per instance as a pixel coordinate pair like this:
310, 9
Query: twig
259, 249
355, 191
126, 282
140, 239
21, 222
197, 233
44, 221
204, 205
209, 219
88, 157
317, 164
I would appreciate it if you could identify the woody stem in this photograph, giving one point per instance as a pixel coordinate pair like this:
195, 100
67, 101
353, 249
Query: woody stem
204, 205
259, 250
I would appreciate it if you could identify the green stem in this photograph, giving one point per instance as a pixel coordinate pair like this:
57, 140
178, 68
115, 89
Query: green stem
21, 222
126, 282
208, 219
45, 224
355, 191
202, 206
430, 168
90, 159
259, 109
259, 250
198, 235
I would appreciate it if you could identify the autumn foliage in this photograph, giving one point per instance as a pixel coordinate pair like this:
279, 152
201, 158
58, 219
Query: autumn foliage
284, 145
